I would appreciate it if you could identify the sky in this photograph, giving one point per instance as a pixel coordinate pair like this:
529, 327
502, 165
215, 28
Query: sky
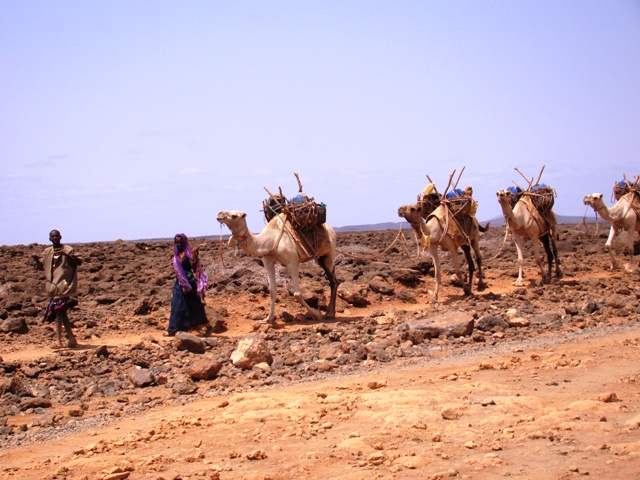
135, 120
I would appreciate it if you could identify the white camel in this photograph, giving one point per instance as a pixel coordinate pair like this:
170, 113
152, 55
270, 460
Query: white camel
433, 233
625, 214
279, 243
527, 223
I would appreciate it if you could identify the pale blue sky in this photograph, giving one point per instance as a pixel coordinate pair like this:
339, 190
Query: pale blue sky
143, 119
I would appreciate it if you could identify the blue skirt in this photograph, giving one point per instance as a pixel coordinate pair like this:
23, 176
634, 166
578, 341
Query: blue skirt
187, 311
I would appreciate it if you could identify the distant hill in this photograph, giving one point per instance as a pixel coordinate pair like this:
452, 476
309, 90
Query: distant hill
497, 221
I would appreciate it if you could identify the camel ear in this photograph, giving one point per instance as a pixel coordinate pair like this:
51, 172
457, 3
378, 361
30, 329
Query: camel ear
244, 215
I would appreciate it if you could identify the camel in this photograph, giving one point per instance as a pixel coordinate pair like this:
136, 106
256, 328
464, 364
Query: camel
625, 214
527, 223
278, 242
436, 234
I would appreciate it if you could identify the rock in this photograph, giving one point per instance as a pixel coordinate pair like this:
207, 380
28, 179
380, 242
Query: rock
205, 369
450, 414
141, 377
14, 325
454, 324
37, 402
608, 397
353, 294
518, 322
143, 307
380, 285
189, 342
406, 295
250, 351
183, 386
491, 323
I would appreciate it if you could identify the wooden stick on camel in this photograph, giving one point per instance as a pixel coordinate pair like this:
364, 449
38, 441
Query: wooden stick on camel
523, 175
459, 177
299, 183
449, 184
539, 176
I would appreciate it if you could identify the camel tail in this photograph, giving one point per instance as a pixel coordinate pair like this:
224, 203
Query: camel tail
485, 228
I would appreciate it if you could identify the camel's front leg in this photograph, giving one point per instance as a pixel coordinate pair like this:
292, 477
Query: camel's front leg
433, 251
292, 268
609, 247
269, 264
519, 241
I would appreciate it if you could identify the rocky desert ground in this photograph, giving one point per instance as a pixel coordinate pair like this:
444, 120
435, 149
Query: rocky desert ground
539, 381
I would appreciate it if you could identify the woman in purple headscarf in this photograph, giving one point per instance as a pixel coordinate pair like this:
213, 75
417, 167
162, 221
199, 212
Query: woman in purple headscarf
187, 308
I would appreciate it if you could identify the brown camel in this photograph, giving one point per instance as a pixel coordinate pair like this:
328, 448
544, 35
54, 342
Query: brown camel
625, 214
434, 232
527, 223
278, 242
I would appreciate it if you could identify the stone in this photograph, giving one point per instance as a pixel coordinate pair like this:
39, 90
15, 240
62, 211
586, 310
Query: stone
205, 369
141, 377
250, 351
189, 342
454, 324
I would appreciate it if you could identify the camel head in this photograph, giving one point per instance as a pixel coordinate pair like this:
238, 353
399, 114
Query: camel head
233, 219
504, 197
593, 200
411, 213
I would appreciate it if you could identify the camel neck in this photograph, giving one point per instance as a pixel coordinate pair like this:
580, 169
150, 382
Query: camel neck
242, 235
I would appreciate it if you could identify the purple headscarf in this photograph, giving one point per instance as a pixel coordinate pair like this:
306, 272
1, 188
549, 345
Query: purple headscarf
201, 276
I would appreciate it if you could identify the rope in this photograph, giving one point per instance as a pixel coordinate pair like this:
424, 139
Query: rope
378, 255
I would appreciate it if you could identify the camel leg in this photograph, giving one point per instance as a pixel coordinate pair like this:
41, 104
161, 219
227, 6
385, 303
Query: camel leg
292, 268
609, 247
538, 258
327, 265
433, 251
456, 265
476, 249
519, 241
270, 266
545, 239
554, 248
467, 253
630, 234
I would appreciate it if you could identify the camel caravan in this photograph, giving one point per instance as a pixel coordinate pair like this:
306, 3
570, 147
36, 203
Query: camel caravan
296, 231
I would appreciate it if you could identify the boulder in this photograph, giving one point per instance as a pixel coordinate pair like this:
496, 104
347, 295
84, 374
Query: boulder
205, 369
14, 325
250, 351
189, 342
452, 324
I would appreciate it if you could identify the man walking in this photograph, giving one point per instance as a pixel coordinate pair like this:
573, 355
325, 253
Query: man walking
60, 265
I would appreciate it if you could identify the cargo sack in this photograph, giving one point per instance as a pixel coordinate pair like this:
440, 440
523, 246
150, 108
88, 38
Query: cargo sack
273, 206
543, 197
427, 203
304, 213
516, 193
459, 204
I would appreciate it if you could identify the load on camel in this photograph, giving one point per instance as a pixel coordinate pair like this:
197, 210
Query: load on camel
624, 215
529, 217
293, 235
447, 220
